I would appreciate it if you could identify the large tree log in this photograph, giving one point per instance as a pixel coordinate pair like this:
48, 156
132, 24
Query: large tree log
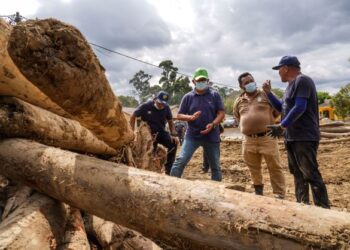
334, 135
112, 236
57, 59
37, 224
340, 129
19, 197
21, 119
332, 124
172, 209
13, 83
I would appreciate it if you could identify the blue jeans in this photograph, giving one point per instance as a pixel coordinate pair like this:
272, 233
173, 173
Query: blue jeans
211, 150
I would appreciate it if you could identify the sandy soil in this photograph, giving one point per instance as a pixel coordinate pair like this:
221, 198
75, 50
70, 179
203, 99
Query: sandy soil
334, 164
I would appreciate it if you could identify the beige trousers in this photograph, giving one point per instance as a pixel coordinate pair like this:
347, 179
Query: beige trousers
254, 149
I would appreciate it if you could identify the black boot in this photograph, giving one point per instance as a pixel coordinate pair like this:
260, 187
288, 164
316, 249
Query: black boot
259, 189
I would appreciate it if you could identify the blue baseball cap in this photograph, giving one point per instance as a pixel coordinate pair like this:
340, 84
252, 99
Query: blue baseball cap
162, 97
289, 61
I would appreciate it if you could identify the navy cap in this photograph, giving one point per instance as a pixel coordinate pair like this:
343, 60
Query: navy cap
163, 97
289, 61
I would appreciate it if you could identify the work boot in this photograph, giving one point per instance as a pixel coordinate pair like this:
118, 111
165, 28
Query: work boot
259, 189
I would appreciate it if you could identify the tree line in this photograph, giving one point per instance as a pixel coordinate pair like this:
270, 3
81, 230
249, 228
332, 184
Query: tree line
177, 85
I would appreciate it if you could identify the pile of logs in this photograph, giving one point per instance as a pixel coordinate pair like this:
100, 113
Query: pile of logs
61, 127
337, 129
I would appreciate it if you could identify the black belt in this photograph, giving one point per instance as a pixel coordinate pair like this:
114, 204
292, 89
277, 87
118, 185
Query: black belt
258, 134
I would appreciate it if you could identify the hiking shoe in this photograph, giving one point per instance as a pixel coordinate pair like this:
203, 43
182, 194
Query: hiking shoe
279, 196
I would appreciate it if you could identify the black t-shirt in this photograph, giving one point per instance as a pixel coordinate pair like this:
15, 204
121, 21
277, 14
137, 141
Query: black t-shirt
155, 118
306, 127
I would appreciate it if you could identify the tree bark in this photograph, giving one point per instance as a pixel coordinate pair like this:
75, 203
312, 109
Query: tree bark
21, 119
36, 224
189, 213
113, 237
75, 236
13, 83
19, 197
58, 60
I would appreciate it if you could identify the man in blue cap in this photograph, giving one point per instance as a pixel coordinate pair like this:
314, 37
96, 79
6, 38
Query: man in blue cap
203, 110
300, 124
156, 113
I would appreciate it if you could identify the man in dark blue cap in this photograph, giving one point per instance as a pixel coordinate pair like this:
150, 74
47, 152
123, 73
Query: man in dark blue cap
300, 125
156, 113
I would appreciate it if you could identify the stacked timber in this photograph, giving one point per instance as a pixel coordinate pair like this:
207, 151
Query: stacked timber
59, 117
336, 130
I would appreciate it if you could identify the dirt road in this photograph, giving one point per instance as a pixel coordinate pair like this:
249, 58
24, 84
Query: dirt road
334, 164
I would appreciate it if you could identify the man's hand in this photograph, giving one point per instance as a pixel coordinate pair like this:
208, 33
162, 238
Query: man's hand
209, 128
194, 116
275, 130
267, 86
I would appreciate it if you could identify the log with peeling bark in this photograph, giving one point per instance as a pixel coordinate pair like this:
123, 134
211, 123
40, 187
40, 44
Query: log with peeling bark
143, 151
23, 120
190, 213
58, 60
19, 197
37, 224
112, 236
75, 236
13, 83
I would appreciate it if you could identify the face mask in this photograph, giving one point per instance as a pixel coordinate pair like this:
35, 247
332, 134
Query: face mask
158, 107
202, 85
250, 87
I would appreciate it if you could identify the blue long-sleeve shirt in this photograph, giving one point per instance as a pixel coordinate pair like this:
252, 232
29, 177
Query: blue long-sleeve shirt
297, 110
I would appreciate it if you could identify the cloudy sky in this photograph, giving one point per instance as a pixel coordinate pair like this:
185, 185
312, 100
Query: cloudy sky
227, 37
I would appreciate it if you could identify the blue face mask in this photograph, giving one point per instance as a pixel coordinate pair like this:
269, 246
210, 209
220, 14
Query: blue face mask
250, 87
202, 85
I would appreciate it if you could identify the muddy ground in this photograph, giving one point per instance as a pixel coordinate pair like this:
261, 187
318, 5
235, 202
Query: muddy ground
334, 164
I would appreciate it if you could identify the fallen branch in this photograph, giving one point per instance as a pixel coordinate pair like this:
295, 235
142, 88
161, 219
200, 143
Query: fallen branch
172, 209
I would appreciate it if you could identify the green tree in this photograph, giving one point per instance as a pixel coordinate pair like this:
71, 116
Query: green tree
141, 83
341, 101
176, 86
278, 92
128, 101
322, 96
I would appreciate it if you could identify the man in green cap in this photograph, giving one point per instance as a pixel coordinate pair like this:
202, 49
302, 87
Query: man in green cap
203, 109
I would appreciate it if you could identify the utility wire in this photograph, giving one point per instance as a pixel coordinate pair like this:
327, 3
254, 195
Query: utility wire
148, 63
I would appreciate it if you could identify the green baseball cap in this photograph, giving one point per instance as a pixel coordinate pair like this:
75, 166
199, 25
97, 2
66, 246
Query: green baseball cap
200, 73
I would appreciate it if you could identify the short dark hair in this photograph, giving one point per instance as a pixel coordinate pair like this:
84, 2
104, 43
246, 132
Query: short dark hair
242, 76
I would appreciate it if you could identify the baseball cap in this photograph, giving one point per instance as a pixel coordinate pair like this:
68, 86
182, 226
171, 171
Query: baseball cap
200, 73
163, 97
289, 61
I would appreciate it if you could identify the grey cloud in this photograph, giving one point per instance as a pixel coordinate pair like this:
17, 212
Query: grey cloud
113, 23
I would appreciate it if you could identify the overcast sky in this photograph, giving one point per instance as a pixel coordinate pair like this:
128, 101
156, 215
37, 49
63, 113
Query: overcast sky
227, 37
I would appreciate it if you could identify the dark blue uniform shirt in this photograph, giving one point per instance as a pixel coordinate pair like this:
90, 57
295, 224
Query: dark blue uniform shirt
209, 104
306, 127
155, 118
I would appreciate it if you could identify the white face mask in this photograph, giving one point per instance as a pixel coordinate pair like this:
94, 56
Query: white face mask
250, 87
158, 105
202, 85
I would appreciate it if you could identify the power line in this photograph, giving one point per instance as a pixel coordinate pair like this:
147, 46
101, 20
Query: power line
148, 63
